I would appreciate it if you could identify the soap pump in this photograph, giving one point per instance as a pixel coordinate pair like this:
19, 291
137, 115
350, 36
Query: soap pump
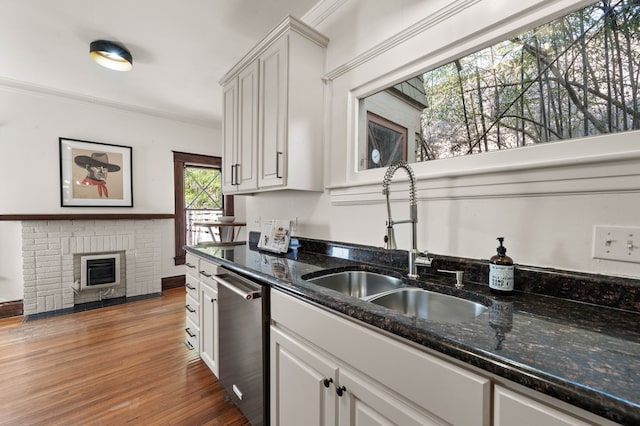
501, 271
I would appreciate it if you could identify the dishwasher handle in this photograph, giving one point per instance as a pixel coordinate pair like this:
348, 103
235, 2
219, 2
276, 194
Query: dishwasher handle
240, 286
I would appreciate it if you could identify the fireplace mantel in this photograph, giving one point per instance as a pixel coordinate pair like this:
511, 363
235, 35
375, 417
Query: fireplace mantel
87, 216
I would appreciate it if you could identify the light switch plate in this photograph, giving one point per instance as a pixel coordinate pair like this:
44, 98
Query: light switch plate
621, 243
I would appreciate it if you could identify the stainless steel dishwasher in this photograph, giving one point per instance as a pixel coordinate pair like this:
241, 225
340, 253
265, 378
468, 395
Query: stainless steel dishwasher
243, 315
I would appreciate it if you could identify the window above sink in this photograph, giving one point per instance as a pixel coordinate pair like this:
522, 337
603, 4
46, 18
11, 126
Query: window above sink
588, 165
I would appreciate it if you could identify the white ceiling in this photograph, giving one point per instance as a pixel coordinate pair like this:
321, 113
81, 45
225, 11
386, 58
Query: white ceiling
180, 48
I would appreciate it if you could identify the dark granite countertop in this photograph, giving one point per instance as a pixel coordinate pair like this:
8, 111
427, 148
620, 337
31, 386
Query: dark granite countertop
580, 353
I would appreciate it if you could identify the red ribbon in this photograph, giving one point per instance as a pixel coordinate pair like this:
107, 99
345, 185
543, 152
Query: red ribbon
101, 184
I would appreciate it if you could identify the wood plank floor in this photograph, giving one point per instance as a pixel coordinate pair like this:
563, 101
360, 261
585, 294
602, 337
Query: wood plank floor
124, 364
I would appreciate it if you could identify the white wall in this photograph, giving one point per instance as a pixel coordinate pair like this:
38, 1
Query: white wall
546, 213
30, 125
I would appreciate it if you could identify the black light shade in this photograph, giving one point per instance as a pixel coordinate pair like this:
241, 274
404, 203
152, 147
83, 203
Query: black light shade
111, 55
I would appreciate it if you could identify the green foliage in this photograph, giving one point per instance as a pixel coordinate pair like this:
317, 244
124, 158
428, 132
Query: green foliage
574, 77
202, 188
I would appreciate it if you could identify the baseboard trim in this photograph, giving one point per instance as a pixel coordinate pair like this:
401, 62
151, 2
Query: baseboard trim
11, 309
173, 282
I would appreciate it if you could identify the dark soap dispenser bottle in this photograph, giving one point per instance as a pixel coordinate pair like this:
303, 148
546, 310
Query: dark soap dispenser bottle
501, 271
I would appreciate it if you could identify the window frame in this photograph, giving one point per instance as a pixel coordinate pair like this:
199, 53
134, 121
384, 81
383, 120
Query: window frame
387, 125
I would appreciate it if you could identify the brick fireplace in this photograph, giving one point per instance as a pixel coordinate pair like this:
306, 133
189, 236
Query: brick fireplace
50, 251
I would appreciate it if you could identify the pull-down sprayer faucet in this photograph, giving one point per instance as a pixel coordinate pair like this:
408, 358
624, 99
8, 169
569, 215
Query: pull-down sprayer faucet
390, 239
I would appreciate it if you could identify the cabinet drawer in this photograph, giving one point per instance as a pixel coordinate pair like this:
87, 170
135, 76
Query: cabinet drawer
192, 308
192, 286
513, 408
192, 335
208, 268
192, 264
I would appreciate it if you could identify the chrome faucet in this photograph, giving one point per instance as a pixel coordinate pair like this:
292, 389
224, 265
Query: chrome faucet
390, 239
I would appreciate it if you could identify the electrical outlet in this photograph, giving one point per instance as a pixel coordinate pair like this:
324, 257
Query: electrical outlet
621, 243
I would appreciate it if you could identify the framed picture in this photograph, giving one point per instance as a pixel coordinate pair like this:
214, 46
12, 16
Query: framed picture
95, 174
386, 141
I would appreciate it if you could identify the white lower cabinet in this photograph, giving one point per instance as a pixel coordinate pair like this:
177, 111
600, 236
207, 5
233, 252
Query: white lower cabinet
192, 301
201, 305
365, 403
513, 408
209, 325
301, 383
327, 370
192, 339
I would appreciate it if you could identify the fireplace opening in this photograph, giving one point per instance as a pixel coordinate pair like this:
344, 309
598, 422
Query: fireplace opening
99, 271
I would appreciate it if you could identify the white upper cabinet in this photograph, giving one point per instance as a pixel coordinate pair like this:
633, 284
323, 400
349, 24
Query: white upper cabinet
273, 113
240, 130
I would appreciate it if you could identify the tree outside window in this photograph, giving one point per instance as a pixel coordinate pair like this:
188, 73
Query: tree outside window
203, 200
574, 77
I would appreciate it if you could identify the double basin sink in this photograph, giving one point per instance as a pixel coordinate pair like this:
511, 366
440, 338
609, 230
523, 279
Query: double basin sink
391, 293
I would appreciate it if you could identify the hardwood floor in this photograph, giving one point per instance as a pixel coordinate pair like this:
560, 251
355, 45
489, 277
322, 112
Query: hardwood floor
115, 365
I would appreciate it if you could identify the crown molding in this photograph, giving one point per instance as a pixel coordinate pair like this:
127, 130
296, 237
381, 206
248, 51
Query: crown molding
321, 11
289, 23
430, 21
22, 86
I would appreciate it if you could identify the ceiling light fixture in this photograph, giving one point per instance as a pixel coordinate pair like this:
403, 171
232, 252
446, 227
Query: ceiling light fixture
111, 55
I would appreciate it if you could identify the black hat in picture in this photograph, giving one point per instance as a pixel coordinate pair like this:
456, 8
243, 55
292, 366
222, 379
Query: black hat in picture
97, 159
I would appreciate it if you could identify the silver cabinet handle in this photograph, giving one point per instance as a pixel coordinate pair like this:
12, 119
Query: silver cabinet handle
239, 287
237, 182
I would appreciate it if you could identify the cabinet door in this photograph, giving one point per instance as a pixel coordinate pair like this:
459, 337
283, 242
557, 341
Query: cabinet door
364, 403
302, 384
273, 114
209, 326
511, 408
246, 173
229, 135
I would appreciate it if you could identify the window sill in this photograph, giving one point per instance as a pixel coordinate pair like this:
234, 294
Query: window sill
596, 165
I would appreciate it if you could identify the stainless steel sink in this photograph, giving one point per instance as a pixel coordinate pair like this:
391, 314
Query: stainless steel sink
430, 305
357, 283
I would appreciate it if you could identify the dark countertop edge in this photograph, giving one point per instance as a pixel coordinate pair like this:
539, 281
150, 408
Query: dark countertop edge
591, 400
